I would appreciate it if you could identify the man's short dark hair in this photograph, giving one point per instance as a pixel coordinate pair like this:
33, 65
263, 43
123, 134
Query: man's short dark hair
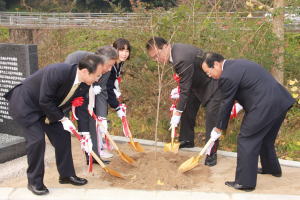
158, 42
121, 44
90, 63
211, 57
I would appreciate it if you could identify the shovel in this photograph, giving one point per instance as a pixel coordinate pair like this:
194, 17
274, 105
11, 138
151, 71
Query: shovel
136, 146
106, 169
173, 146
123, 156
194, 161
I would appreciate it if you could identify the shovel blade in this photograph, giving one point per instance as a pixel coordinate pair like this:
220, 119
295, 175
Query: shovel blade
169, 147
189, 164
136, 146
126, 158
113, 172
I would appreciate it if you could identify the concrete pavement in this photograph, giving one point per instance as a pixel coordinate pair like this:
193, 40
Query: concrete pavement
17, 168
122, 194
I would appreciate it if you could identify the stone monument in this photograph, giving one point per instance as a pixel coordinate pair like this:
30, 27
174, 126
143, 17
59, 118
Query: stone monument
17, 62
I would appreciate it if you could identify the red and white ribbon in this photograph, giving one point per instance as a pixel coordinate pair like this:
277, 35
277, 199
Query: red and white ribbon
76, 102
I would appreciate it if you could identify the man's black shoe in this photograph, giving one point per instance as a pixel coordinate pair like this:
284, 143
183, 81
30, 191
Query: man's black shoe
211, 160
186, 144
38, 191
74, 180
260, 171
238, 186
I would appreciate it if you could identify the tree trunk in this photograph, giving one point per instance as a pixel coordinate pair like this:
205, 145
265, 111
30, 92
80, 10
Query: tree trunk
278, 29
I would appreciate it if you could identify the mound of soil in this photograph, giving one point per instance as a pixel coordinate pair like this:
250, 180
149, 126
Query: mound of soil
156, 170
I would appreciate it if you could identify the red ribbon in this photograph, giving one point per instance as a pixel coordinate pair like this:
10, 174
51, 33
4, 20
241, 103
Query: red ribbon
176, 78
90, 155
78, 101
234, 114
108, 146
119, 79
125, 127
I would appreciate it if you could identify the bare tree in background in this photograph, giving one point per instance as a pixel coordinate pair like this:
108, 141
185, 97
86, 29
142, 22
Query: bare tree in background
23, 3
278, 29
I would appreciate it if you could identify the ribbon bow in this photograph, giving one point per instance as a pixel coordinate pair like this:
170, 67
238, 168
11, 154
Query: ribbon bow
78, 101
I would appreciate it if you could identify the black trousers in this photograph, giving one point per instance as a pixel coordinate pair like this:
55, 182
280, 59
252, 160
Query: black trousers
259, 144
35, 146
94, 136
189, 115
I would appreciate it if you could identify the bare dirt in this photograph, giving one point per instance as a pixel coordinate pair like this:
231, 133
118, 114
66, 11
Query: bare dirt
157, 170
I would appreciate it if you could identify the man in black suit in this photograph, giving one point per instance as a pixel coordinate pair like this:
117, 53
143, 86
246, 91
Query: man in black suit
195, 89
265, 102
37, 105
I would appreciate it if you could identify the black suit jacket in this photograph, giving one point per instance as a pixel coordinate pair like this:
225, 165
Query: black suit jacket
187, 61
40, 95
263, 98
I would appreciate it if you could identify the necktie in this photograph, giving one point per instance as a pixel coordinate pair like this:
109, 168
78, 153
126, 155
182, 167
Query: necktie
69, 95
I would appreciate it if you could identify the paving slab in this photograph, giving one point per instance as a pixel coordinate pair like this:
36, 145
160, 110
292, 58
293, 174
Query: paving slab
122, 194
100, 188
5, 192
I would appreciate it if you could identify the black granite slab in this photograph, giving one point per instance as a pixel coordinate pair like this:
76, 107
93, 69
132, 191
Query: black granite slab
11, 147
17, 61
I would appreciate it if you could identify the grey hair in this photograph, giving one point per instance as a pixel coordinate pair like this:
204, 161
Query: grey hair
107, 53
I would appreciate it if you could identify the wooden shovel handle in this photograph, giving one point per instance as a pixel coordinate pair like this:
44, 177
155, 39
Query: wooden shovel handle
108, 136
98, 159
173, 131
112, 141
209, 142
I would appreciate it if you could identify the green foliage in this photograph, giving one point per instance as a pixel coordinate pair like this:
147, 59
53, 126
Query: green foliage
292, 55
4, 34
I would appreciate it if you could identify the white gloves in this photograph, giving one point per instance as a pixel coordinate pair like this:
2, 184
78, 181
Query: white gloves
117, 93
67, 124
121, 110
208, 150
121, 113
97, 89
86, 142
214, 135
238, 107
175, 93
102, 125
175, 120
235, 110
117, 90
